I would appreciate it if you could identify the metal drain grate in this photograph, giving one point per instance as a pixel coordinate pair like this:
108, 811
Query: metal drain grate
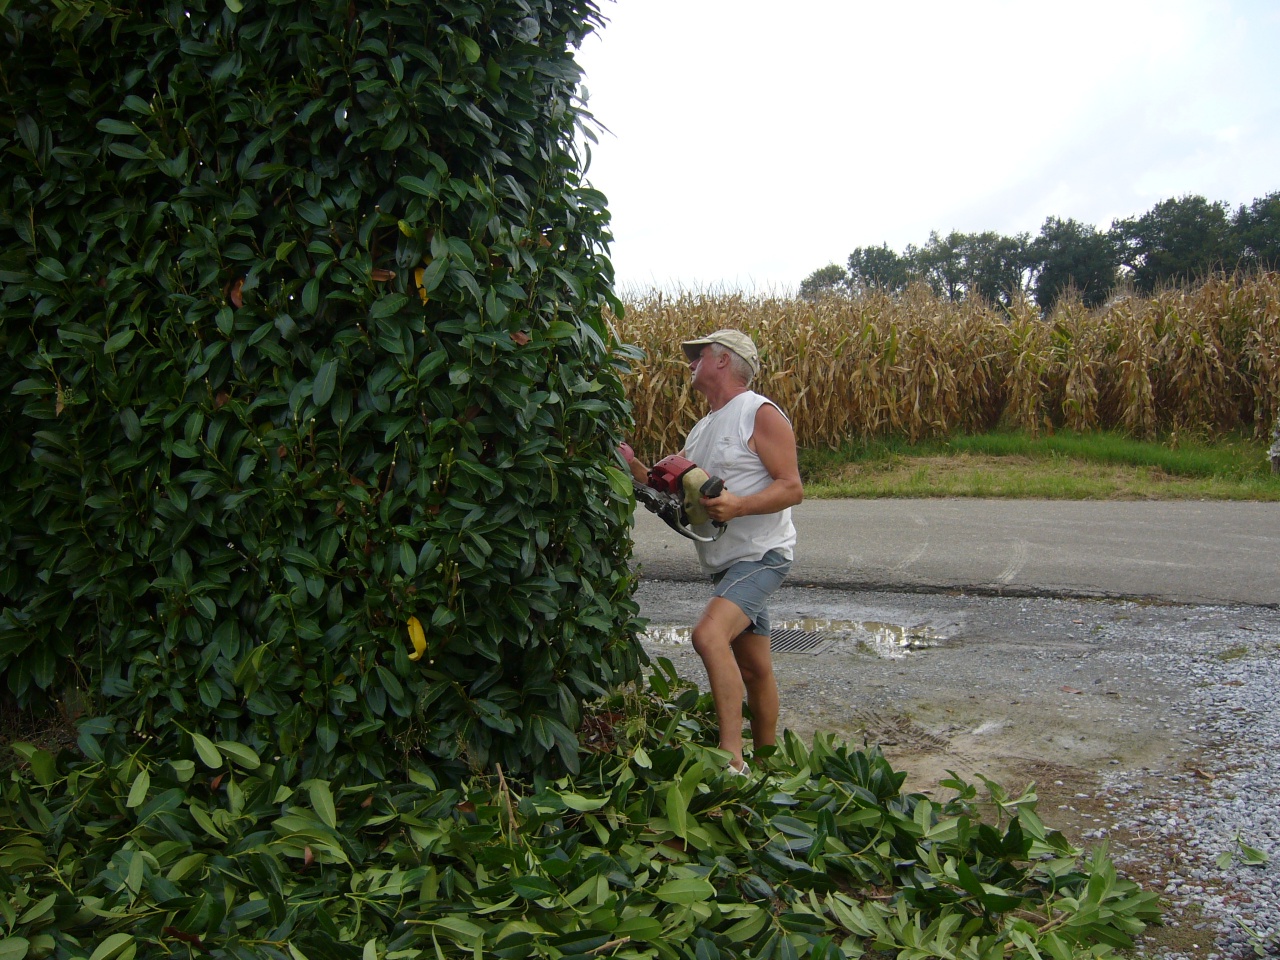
799, 641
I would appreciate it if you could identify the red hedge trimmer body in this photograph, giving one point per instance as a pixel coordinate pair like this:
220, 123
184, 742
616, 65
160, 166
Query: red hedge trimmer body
674, 491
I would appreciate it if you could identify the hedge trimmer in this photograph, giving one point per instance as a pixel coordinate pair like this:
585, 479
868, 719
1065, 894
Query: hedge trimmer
674, 491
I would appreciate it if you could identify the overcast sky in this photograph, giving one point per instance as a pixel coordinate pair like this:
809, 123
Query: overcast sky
750, 143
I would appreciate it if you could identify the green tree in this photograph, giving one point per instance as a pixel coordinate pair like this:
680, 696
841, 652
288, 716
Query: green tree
996, 267
824, 281
1068, 255
940, 263
879, 268
303, 338
1177, 241
1257, 231
962, 265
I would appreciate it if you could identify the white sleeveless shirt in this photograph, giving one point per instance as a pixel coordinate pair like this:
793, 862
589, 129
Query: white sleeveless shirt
718, 443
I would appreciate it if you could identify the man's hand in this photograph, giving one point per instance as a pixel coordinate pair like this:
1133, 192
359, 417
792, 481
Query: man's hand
639, 472
723, 508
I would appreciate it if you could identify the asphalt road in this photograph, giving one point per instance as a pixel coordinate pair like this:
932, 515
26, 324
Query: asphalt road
1178, 551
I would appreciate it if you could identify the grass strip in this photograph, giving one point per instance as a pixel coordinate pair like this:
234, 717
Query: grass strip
1064, 465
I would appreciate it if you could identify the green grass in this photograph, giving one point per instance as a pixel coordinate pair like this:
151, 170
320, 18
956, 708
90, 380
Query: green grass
1074, 466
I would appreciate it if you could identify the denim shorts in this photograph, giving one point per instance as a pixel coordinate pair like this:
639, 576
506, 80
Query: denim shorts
750, 583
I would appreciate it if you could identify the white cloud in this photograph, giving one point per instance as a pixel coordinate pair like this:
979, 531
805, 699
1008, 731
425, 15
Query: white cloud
754, 143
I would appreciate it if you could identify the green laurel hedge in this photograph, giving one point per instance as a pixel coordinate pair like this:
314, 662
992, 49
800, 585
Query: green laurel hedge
302, 336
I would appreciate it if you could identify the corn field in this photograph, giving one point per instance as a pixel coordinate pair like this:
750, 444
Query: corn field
1199, 361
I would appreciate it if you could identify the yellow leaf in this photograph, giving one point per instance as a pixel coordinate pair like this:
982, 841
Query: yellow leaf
417, 638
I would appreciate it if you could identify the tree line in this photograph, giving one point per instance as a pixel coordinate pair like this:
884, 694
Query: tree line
1179, 240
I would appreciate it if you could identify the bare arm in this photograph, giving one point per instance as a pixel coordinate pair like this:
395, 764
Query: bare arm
775, 444
639, 472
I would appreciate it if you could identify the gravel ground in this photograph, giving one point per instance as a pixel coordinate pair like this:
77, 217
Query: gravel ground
1233, 799
1154, 728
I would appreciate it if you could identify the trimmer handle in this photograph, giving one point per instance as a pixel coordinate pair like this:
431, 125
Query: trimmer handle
712, 488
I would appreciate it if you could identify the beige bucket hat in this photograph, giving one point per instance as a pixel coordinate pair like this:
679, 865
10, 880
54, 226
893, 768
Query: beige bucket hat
735, 340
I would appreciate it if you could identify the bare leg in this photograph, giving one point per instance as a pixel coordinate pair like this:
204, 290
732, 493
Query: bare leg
713, 636
755, 663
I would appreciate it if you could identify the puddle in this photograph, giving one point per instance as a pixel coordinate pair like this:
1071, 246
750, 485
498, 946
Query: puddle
891, 641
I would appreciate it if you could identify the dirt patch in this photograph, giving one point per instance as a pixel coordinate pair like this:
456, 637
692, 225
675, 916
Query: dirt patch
1012, 689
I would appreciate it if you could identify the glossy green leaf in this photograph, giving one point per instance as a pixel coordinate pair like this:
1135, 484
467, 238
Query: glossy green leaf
322, 802
206, 751
419, 186
533, 888
240, 754
408, 559
687, 890
138, 791
583, 804
326, 380
117, 946
119, 127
